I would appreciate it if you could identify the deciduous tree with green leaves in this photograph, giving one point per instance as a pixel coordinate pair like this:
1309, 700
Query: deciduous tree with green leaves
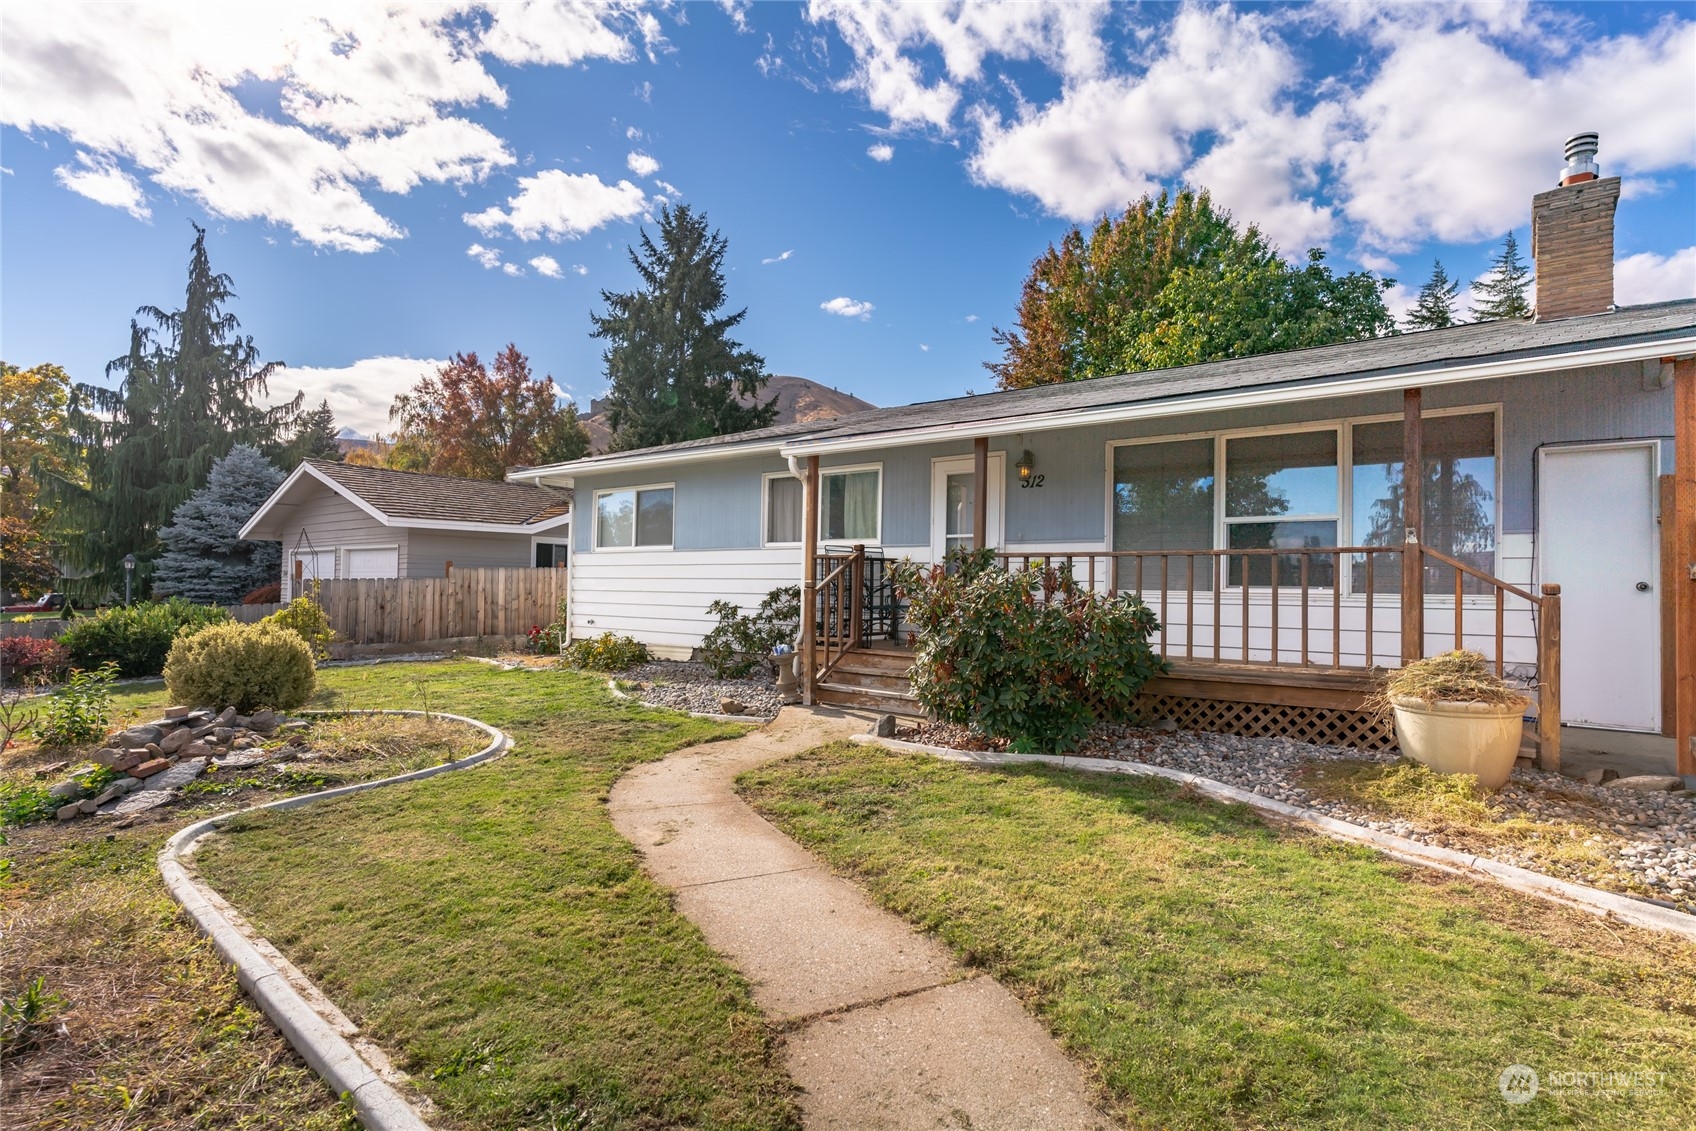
1506, 291
1435, 306
1172, 281
468, 421
676, 373
32, 411
185, 395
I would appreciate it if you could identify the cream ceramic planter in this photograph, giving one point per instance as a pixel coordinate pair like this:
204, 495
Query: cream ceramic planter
1461, 738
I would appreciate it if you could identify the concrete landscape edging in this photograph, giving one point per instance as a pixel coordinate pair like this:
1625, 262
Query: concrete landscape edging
318, 1038
1594, 900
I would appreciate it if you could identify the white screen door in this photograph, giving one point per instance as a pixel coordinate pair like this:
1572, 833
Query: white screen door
383, 562
1597, 541
953, 503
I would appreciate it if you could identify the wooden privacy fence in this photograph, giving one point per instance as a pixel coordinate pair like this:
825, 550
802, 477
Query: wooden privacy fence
470, 602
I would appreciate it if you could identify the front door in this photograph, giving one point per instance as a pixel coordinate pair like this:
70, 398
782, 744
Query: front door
1597, 540
953, 503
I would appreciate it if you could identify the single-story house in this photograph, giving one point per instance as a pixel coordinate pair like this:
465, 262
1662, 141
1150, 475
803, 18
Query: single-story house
1257, 504
339, 520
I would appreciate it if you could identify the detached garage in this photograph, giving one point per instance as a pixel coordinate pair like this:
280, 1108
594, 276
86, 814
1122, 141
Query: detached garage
337, 520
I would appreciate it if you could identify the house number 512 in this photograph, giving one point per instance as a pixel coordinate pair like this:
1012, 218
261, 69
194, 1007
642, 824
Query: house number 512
1033, 481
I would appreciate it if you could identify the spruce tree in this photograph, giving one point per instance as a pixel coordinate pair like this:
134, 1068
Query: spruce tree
1506, 291
314, 438
204, 559
184, 397
1435, 307
676, 373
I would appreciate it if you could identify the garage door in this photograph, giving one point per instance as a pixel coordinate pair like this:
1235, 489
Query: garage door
372, 563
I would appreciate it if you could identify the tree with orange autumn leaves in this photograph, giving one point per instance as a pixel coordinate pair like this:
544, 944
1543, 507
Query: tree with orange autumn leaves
466, 420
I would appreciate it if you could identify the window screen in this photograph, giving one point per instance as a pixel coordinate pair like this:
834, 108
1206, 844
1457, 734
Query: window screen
848, 510
783, 509
1163, 500
1459, 501
633, 518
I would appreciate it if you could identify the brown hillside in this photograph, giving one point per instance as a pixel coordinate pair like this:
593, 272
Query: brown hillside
798, 401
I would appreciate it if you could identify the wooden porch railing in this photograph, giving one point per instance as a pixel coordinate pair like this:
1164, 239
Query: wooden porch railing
837, 616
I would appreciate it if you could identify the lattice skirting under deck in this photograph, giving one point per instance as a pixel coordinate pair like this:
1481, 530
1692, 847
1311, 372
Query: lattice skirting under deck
1326, 726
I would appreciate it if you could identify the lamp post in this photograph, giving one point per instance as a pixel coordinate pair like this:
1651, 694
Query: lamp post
129, 572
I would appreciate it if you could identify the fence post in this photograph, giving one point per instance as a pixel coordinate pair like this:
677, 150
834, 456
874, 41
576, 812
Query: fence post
1549, 681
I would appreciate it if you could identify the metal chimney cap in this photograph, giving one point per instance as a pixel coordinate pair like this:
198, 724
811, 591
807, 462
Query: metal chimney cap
1581, 158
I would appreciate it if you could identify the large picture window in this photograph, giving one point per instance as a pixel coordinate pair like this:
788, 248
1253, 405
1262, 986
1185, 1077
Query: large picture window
783, 510
1458, 492
849, 502
637, 517
1272, 494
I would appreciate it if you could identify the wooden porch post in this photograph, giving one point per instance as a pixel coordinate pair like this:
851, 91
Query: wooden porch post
980, 492
1549, 681
1682, 528
809, 577
1413, 522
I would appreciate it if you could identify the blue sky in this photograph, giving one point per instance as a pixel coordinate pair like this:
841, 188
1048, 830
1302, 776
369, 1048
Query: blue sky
387, 187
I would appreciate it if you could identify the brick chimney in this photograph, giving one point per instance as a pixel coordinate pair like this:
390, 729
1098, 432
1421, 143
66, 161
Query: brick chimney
1572, 237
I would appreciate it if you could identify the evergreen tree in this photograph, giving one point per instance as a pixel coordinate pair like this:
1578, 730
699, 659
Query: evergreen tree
184, 397
1506, 291
1173, 281
314, 438
1435, 307
204, 560
676, 373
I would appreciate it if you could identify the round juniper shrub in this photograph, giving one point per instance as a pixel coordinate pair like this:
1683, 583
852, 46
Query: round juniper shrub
245, 666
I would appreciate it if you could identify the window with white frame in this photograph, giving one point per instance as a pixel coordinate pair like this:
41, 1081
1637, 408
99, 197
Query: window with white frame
850, 501
635, 517
783, 510
1310, 487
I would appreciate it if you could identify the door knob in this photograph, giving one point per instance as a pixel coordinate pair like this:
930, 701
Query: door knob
1642, 586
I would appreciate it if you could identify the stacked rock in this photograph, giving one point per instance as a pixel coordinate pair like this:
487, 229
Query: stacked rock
160, 757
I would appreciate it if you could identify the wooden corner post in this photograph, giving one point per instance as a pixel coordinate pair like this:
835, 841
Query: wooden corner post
1682, 528
809, 578
1413, 527
1549, 681
980, 492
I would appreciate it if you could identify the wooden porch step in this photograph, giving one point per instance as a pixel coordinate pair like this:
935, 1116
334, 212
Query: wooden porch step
852, 695
875, 661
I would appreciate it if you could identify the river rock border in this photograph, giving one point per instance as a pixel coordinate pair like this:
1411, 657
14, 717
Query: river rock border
1606, 904
353, 1066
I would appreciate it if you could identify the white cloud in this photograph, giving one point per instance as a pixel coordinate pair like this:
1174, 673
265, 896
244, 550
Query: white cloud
560, 206
580, 268
489, 257
104, 183
971, 318
548, 266
512, 269
366, 96
642, 165
359, 394
1647, 277
737, 10
882, 151
923, 348
645, 91
668, 188
631, 133
849, 308
778, 258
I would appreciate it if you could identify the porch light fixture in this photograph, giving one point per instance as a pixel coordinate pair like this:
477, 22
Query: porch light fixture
1027, 464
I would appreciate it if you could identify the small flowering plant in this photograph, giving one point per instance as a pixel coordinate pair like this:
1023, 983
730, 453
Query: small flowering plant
544, 640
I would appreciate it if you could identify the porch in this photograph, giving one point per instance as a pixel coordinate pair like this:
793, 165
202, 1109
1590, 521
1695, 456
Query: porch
1261, 642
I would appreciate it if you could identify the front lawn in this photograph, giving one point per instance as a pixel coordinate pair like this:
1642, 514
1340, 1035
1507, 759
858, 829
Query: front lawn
1217, 972
487, 927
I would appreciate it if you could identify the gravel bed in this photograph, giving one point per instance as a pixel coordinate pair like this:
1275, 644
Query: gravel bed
1643, 843
688, 686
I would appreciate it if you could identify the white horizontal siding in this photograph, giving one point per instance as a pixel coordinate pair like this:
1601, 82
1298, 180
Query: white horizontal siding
660, 597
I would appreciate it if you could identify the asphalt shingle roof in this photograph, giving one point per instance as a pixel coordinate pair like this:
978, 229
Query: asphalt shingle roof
1425, 351
449, 498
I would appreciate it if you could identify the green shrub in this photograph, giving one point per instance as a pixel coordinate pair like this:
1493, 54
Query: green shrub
606, 653
1026, 655
307, 618
80, 710
138, 638
245, 666
740, 643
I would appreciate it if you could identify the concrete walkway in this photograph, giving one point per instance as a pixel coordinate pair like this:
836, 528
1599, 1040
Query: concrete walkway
885, 1030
